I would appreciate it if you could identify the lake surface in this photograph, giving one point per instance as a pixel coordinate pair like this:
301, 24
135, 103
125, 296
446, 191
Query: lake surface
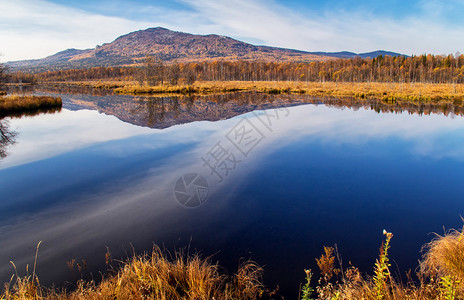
240, 176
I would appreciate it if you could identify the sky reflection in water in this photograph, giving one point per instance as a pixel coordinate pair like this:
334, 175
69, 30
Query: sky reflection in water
81, 181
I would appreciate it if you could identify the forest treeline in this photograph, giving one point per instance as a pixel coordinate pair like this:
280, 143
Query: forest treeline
3, 74
423, 68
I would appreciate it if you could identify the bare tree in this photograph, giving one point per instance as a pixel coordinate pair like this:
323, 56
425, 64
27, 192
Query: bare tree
190, 76
174, 73
154, 71
7, 137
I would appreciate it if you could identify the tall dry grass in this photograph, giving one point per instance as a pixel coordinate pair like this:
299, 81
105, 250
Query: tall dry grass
196, 88
154, 276
440, 276
161, 276
390, 92
15, 104
444, 260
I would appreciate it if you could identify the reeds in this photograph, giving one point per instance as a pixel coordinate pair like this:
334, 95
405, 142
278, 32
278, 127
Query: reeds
389, 92
158, 275
444, 259
155, 276
197, 88
18, 104
441, 275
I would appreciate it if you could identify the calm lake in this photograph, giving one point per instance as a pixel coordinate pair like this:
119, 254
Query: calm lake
236, 177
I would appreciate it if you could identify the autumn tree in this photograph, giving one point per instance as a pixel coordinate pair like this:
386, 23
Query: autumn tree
3, 74
424, 68
154, 70
174, 73
190, 77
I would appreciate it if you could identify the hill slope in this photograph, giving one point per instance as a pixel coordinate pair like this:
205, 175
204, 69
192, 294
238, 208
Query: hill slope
346, 54
132, 48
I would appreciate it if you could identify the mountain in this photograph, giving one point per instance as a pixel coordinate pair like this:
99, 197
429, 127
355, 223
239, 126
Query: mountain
63, 59
346, 54
133, 48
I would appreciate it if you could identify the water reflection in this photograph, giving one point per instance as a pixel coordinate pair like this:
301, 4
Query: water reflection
164, 111
7, 137
59, 89
321, 176
31, 113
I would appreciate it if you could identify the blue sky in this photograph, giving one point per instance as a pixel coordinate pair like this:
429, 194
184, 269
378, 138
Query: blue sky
38, 28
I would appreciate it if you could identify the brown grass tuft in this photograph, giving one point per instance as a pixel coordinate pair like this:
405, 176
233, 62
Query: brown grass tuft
441, 275
444, 257
155, 276
17, 104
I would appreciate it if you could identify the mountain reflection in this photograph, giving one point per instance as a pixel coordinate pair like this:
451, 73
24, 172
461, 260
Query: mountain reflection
163, 111
166, 111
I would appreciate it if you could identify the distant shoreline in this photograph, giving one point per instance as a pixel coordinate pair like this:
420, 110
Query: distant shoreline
390, 92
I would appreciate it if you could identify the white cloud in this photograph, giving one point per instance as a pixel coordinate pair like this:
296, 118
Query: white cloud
35, 29
333, 31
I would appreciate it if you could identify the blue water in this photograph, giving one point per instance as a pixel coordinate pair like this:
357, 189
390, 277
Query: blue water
308, 176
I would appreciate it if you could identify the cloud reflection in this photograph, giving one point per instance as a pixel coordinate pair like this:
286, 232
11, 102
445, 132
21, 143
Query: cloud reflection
129, 199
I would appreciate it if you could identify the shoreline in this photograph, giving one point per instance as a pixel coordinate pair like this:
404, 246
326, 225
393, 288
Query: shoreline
162, 275
416, 92
14, 104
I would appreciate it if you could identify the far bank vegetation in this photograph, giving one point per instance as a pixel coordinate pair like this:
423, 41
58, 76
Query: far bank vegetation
418, 78
400, 69
3, 78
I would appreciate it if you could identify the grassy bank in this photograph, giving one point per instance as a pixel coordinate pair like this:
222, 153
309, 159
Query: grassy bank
420, 92
96, 84
153, 276
159, 276
440, 274
200, 88
424, 92
19, 104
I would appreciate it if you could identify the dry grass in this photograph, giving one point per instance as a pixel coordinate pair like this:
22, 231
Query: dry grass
155, 276
389, 92
160, 276
97, 84
17, 104
379, 91
205, 87
441, 275
444, 258
445, 254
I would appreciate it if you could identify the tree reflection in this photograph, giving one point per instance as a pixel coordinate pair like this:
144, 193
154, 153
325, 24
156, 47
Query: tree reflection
166, 111
7, 137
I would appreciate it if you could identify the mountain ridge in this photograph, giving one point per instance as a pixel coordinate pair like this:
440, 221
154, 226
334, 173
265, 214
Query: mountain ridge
132, 48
